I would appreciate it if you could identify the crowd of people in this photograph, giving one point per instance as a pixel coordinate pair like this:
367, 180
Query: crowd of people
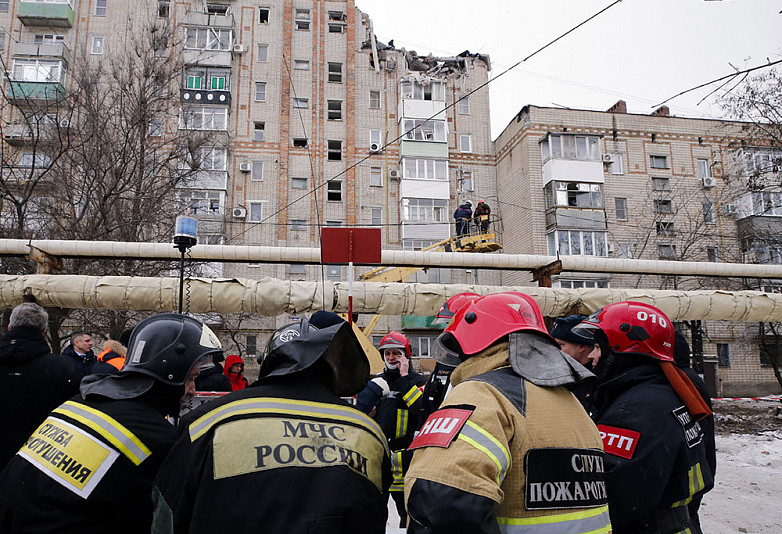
598, 425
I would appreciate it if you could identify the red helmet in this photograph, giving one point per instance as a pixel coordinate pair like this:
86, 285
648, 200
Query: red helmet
633, 327
395, 340
453, 305
481, 322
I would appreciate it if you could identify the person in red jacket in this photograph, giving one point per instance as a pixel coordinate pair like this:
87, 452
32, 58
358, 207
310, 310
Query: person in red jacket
234, 367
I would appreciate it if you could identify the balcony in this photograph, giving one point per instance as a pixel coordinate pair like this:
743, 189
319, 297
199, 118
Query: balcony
50, 14
21, 92
569, 169
431, 231
214, 20
587, 219
207, 58
43, 50
422, 149
211, 180
421, 109
197, 96
17, 134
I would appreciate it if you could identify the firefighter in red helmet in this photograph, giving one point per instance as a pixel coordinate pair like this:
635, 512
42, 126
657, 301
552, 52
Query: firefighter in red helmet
395, 399
509, 434
647, 412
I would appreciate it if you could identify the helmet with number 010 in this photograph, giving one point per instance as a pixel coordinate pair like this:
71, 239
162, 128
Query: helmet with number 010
395, 340
482, 322
632, 327
453, 305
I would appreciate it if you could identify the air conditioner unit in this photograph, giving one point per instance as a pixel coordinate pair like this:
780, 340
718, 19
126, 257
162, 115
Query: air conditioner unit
65, 123
709, 181
239, 49
393, 173
390, 65
246, 166
239, 213
610, 248
608, 158
374, 147
730, 209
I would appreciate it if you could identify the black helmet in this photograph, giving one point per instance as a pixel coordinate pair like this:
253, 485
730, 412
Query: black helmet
167, 347
299, 346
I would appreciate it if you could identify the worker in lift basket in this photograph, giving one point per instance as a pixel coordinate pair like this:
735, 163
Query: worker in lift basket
509, 436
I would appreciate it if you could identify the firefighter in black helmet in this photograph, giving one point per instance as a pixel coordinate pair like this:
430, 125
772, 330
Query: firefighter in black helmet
90, 465
288, 452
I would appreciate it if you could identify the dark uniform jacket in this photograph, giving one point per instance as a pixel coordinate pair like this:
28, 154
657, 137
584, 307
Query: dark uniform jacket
33, 382
655, 453
82, 365
213, 379
88, 468
286, 456
400, 413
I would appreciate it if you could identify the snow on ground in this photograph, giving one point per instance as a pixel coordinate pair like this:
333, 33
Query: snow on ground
748, 491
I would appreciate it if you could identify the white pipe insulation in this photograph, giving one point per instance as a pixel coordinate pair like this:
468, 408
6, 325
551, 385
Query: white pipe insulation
463, 260
271, 297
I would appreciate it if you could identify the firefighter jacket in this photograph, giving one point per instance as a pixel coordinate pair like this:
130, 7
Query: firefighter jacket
286, 455
503, 455
655, 454
87, 468
399, 414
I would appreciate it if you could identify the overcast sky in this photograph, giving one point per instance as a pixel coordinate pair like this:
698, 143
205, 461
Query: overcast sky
641, 51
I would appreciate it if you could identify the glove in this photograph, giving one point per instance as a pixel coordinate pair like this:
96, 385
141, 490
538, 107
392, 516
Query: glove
383, 385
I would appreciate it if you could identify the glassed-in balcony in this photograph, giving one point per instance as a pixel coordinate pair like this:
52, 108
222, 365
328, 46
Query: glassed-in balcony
52, 13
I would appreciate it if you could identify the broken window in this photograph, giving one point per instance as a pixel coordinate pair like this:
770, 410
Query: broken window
422, 130
334, 150
424, 91
300, 142
302, 20
259, 131
334, 191
263, 15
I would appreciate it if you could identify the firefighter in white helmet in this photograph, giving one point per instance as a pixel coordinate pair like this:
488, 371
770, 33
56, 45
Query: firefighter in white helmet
395, 399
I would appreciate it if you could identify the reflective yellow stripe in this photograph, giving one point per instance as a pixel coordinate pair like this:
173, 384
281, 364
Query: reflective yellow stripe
483, 441
273, 405
696, 484
592, 521
685, 531
401, 422
398, 483
120, 437
411, 396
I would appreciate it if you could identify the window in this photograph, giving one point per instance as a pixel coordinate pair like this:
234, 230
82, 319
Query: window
28, 159
48, 38
163, 10
299, 183
301, 103
658, 162
420, 91
374, 99
665, 228
301, 64
335, 72
208, 39
578, 243
97, 45
263, 15
336, 21
207, 78
36, 70
334, 273
337, 28
334, 150
302, 20
626, 251
256, 174
207, 159
375, 176
666, 252
255, 211
578, 284
708, 212
297, 269
298, 225
663, 206
375, 141
712, 254
260, 91
424, 210
617, 166
101, 8
204, 118
704, 169
463, 107
423, 130
465, 143
2, 39
425, 169
621, 208
577, 147
300, 142
766, 203
334, 110
204, 202
4, 4
723, 354
259, 131
573, 195
661, 184
375, 216
334, 191
156, 127
263, 53
467, 181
